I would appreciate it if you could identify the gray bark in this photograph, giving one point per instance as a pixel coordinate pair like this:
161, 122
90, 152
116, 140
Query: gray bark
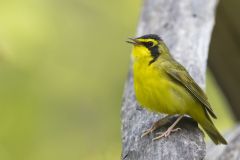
226, 152
186, 27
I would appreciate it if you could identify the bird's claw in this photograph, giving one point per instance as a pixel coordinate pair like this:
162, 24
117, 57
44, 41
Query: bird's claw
148, 131
166, 133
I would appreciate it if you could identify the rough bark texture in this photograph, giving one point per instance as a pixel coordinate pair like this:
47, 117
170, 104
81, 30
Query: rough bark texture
186, 27
226, 152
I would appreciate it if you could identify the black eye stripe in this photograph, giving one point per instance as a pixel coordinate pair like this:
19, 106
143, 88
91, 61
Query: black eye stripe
148, 44
155, 53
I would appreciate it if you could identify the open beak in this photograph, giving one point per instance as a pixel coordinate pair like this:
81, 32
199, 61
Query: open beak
133, 41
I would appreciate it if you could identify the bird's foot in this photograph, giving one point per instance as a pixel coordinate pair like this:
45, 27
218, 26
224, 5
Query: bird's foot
156, 125
148, 131
166, 133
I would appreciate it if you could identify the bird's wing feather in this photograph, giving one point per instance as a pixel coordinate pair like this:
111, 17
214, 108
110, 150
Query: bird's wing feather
177, 72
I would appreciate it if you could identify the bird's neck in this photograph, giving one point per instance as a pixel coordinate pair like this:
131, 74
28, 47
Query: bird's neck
141, 55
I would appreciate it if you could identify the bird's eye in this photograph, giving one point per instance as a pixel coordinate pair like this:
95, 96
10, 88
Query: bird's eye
149, 44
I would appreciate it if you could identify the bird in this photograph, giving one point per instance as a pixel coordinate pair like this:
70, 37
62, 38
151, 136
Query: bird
163, 85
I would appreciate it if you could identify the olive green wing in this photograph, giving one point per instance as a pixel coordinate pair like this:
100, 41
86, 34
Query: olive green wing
177, 72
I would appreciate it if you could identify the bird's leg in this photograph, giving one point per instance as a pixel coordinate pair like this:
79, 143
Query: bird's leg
156, 125
169, 130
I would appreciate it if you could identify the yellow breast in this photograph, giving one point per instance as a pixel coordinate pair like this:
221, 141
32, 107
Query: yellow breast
155, 91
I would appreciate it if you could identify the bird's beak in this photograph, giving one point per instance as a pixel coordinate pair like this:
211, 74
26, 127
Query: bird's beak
133, 41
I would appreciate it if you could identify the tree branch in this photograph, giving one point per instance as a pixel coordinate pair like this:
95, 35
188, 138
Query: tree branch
226, 152
186, 27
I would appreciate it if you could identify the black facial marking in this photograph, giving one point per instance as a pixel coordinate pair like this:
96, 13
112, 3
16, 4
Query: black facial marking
148, 44
151, 36
155, 53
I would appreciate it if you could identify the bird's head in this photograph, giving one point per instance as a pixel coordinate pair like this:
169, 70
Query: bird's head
146, 48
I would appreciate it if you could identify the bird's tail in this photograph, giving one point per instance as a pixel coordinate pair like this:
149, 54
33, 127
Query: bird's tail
211, 130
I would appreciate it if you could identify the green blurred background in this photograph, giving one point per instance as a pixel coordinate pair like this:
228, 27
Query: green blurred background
62, 70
